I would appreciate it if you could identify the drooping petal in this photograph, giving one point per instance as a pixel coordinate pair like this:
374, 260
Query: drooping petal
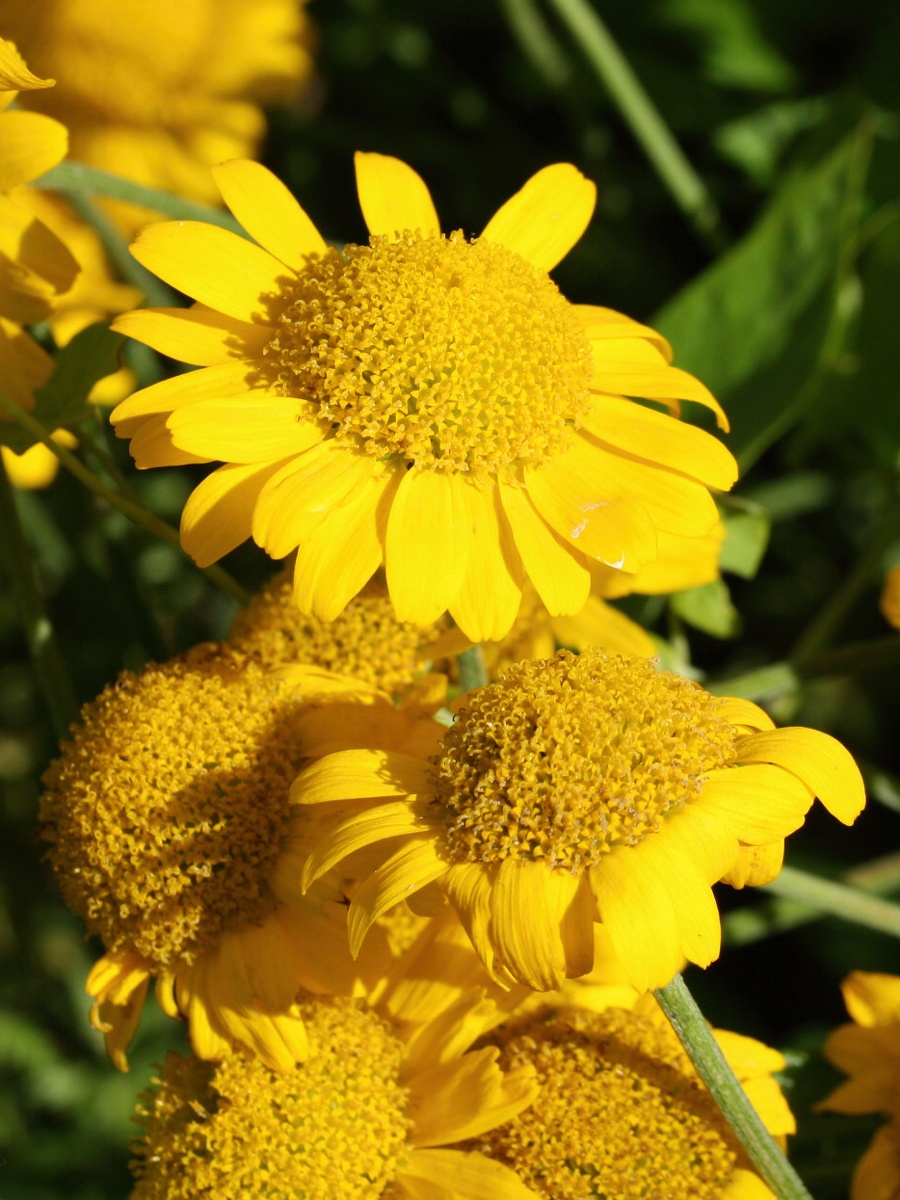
413, 866
819, 760
490, 590
560, 579
659, 438
663, 383
760, 803
607, 324
268, 211
468, 887
209, 383
362, 775
528, 903
343, 553
393, 197
426, 546
197, 335
359, 830
465, 1097
218, 513
546, 217
212, 265
755, 866
599, 624
253, 428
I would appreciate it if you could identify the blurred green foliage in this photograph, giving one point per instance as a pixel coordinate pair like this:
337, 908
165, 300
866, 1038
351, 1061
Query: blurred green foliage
789, 114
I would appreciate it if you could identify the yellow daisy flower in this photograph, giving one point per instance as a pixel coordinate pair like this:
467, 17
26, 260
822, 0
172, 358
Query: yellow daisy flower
425, 401
366, 641
622, 1112
869, 1052
160, 92
579, 788
377, 1110
172, 832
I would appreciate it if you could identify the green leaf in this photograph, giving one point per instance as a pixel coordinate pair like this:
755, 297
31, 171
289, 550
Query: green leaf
63, 400
755, 326
747, 527
709, 609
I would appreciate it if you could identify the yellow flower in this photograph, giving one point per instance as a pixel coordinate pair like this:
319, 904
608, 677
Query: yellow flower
366, 641
622, 1112
35, 267
426, 402
171, 827
869, 1052
159, 92
890, 597
375, 1111
571, 789
38, 465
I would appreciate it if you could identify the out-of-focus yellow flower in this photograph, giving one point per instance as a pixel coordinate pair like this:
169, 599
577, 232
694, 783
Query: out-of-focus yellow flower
38, 465
159, 92
890, 597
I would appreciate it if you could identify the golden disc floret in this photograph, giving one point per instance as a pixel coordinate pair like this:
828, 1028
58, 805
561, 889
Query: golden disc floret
622, 1113
450, 354
334, 1127
167, 810
561, 760
366, 640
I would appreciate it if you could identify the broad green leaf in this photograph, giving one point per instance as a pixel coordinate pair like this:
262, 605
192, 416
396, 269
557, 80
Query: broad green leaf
747, 528
63, 400
709, 609
754, 326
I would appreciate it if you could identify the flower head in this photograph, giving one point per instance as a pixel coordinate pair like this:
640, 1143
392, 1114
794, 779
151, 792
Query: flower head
170, 822
425, 401
159, 92
374, 1111
623, 1113
573, 788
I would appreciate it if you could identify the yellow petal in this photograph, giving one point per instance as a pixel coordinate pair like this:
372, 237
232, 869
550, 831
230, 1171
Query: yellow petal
30, 144
425, 547
743, 713
214, 266
362, 775
14, 74
360, 830
889, 600
197, 335
473, 1176
268, 212
560, 579
254, 428
490, 591
653, 435
759, 803
468, 888
599, 624
636, 909
872, 998
151, 444
746, 1185
819, 760
683, 562
304, 493
693, 903
663, 383
343, 553
393, 197
544, 220
596, 517
413, 866
601, 324
209, 383
218, 513
466, 1097
528, 903
755, 866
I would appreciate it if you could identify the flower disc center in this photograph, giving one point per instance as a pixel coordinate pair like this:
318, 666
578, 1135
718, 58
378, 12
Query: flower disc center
450, 354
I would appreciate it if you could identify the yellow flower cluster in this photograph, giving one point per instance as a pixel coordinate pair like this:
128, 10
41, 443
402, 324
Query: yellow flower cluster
411, 924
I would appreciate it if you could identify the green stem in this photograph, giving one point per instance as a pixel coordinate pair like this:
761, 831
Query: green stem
49, 665
642, 116
538, 44
472, 671
125, 264
829, 618
132, 509
704, 1052
837, 900
881, 876
79, 178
